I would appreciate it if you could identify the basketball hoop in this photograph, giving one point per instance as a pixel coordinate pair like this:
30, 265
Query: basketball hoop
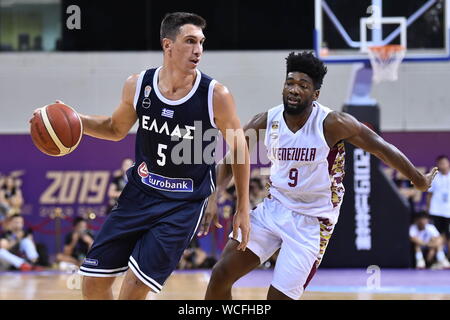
385, 61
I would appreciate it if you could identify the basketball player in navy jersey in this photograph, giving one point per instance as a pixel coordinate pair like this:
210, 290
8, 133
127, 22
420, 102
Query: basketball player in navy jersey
305, 145
164, 200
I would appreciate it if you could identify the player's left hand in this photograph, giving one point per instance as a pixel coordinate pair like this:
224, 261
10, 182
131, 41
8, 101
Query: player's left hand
428, 180
37, 110
209, 216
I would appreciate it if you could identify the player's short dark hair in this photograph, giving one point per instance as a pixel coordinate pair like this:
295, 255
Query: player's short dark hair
77, 220
306, 62
170, 26
441, 157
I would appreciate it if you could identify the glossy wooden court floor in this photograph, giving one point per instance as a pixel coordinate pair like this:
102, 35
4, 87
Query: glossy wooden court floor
180, 286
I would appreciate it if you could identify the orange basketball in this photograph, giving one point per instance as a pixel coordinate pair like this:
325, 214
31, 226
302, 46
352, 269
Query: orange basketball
56, 129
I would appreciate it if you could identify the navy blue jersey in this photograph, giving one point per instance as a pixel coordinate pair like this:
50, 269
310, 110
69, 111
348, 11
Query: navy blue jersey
175, 141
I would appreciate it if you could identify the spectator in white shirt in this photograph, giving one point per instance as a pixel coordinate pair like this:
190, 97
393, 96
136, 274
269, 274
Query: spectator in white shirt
438, 199
426, 239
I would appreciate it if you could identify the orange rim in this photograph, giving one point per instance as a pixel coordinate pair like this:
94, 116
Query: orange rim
386, 51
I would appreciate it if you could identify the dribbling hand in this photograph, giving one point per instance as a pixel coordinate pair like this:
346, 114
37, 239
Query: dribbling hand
36, 110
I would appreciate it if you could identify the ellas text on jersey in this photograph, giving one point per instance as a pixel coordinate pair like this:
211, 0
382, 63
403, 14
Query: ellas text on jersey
185, 133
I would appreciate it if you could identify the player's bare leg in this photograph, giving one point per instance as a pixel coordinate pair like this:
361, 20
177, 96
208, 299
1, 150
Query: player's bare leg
232, 265
95, 288
133, 288
275, 294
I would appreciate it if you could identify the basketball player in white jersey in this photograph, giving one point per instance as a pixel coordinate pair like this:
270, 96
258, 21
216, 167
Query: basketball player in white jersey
305, 143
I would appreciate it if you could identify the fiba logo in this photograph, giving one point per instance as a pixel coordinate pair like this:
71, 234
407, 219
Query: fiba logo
146, 102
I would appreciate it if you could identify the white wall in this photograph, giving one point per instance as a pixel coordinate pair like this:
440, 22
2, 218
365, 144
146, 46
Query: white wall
92, 82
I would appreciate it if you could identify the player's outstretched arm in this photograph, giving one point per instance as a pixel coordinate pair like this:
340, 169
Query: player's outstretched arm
117, 126
228, 123
343, 126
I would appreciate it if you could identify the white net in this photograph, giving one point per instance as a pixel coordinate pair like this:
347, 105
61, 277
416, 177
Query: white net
385, 61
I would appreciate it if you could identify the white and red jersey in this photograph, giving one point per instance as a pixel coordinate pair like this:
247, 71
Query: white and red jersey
306, 175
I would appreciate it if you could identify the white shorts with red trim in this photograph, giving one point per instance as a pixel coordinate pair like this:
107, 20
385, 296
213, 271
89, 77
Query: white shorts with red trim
302, 240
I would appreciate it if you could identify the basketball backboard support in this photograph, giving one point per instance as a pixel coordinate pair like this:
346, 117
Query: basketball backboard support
345, 28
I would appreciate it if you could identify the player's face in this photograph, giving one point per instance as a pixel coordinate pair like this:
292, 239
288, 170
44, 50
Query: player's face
187, 49
298, 92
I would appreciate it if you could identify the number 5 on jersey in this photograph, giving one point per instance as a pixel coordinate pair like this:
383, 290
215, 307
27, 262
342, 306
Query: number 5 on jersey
162, 157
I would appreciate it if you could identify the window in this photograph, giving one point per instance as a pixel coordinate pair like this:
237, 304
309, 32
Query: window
30, 25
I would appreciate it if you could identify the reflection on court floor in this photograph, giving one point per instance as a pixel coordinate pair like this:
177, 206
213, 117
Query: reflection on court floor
328, 284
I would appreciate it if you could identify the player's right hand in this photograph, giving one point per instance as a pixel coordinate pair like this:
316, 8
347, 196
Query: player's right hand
241, 220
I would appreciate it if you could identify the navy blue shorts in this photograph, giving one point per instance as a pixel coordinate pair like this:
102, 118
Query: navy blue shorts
146, 234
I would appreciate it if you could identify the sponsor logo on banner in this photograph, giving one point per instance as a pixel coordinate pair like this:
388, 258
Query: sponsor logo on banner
159, 182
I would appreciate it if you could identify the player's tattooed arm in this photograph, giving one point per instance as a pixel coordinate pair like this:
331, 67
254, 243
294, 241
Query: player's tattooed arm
343, 126
117, 126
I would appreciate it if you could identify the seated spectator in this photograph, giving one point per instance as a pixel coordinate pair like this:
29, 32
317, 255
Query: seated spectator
118, 183
195, 257
11, 198
227, 203
4, 207
76, 245
257, 191
17, 247
427, 240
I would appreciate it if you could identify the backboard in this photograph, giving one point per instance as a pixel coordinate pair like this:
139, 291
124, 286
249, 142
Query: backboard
344, 29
